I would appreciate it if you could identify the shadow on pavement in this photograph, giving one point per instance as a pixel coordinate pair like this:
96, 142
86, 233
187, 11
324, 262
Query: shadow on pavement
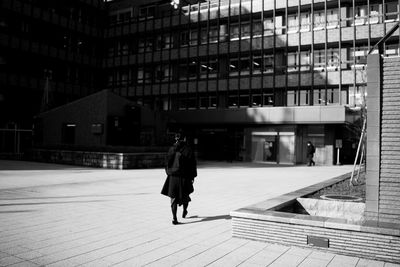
16, 211
206, 219
18, 165
49, 203
72, 196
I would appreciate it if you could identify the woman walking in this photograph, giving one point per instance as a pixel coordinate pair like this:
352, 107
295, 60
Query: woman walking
181, 170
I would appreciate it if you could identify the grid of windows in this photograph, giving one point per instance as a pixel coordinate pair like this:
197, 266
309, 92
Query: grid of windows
240, 48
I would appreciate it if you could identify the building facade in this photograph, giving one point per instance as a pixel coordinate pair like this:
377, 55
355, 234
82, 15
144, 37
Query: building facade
50, 54
249, 80
256, 79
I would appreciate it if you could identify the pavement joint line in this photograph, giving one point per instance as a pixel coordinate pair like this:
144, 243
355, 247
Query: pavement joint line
141, 254
189, 246
249, 257
100, 247
230, 252
207, 249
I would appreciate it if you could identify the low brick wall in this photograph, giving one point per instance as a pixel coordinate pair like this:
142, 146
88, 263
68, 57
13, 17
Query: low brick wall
266, 221
99, 159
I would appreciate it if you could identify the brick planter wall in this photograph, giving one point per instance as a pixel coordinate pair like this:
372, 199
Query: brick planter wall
99, 159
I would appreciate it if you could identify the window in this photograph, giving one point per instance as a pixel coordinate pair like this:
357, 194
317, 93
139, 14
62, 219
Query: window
233, 66
391, 11
163, 73
257, 29
124, 16
392, 50
319, 20
357, 96
304, 99
268, 63
291, 98
304, 60
213, 67
358, 57
319, 97
257, 64
146, 12
319, 59
304, 22
193, 37
185, 38
234, 32
333, 58
293, 23
374, 14
213, 34
360, 15
256, 100
68, 133
144, 75
292, 61
332, 18
233, 101
208, 102
243, 100
193, 70
123, 48
246, 30
268, 99
332, 96
164, 41
268, 26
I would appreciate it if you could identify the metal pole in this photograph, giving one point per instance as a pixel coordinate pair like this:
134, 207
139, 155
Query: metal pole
358, 151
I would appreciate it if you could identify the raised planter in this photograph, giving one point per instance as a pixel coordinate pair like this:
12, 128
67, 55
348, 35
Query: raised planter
285, 221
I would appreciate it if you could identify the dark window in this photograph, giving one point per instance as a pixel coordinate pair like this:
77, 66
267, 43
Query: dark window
68, 133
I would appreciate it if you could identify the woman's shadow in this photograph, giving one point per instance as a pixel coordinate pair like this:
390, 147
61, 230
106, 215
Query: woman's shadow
210, 218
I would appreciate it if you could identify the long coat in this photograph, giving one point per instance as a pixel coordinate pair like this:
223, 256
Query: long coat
180, 186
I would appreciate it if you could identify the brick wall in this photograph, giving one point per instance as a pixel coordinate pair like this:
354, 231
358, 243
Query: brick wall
389, 184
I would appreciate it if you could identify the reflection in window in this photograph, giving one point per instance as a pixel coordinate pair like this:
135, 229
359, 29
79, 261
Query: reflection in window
304, 97
332, 96
268, 26
293, 23
319, 59
291, 98
332, 18
391, 50
319, 97
319, 19
333, 58
357, 96
358, 57
304, 22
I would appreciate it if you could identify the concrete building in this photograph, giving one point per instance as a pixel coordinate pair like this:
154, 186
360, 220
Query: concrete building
254, 78
50, 54
249, 80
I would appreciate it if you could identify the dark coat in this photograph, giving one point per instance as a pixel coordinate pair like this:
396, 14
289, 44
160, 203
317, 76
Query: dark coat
310, 150
180, 186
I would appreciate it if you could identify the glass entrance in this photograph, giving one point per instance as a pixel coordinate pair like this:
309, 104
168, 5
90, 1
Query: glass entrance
270, 149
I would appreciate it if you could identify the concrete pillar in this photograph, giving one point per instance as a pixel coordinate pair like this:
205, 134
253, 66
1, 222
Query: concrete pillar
374, 90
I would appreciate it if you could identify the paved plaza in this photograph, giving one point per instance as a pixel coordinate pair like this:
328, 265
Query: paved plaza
59, 215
